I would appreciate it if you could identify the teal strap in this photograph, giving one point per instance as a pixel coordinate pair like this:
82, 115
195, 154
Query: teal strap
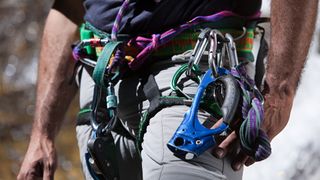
103, 61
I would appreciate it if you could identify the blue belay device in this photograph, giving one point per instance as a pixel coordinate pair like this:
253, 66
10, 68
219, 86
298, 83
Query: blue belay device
191, 137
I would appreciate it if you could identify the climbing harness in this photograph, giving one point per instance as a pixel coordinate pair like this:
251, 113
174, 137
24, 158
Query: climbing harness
221, 87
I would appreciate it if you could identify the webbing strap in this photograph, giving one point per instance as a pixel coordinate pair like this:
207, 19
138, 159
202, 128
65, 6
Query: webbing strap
152, 93
107, 163
157, 103
163, 102
103, 62
161, 39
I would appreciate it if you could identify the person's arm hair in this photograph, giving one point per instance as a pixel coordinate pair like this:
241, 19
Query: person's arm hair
54, 93
292, 27
54, 90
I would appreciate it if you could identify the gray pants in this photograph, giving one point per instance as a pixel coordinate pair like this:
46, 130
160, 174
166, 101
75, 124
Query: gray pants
158, 162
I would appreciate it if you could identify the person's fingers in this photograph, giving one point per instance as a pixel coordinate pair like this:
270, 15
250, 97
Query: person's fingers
224, 147
218, 138
25, 176
239, 160
249, 161
217, 124
49, 169
48, 174
32, 171
230, 139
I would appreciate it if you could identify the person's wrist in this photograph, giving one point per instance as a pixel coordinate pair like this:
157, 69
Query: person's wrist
41, 136
277, 108
278, 88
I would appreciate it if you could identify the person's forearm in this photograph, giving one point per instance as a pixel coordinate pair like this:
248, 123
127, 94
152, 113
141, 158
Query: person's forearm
292, 23
54, 92
292, 26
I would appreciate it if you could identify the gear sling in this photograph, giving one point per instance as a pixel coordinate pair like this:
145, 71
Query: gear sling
121, 54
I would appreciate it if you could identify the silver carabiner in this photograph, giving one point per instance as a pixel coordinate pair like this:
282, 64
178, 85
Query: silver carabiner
232, 51
215, 51
244, 32
199, 48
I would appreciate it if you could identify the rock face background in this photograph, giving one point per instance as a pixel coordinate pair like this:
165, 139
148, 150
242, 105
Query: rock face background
295, 151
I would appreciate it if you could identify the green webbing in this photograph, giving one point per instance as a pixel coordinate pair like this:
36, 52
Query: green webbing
102, 63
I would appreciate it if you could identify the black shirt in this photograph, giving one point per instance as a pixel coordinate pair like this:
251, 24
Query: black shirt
147, 16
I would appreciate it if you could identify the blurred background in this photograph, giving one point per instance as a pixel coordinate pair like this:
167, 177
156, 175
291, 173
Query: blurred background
21, 24
296, 151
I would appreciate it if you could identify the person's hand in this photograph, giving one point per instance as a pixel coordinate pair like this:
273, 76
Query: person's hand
40, 160
277, 109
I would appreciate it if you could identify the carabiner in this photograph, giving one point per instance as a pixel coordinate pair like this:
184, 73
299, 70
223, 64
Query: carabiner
244, 32
178, 74
199, 48
212, 53
232, 51
94, 42
216, 46
192, 138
